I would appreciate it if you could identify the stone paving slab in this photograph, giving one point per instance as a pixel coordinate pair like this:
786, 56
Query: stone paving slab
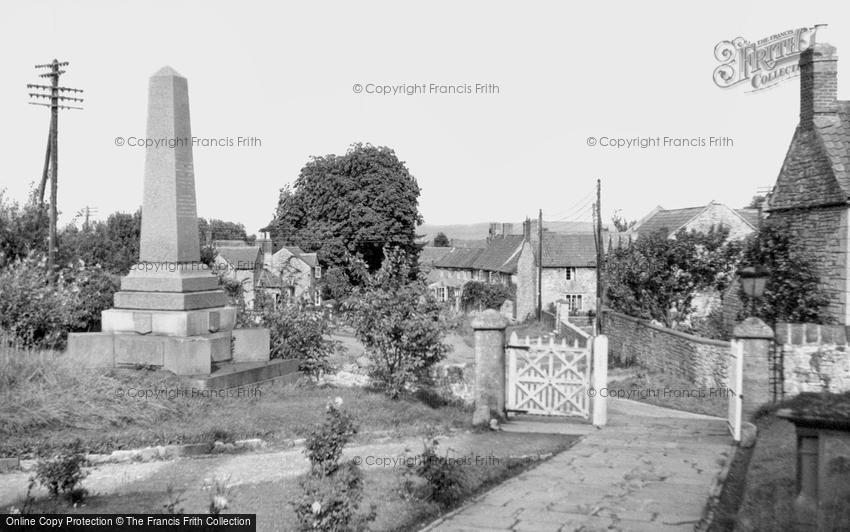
651, 468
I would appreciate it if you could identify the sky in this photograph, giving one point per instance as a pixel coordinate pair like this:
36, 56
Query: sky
286, 74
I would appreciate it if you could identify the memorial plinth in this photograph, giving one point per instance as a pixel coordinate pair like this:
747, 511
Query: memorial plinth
170, 310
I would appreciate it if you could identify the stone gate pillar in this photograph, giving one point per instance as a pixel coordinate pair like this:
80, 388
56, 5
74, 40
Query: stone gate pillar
755, 337
489, 387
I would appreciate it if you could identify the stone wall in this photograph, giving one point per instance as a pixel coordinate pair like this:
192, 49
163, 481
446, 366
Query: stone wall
556, 286
698, 360
821, 234
815, 358
526, 285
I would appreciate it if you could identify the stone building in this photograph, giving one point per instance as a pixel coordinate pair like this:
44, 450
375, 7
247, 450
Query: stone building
299, 273
740, 222
812, 189
568, 276
242, 264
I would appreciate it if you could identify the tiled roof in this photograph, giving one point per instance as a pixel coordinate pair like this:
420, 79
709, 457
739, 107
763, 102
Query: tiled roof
750, 215
241, 257
501, 255
269, 280
310, 258
430, 254
562, 250
671, 220
458, 258
835, 135
295, 250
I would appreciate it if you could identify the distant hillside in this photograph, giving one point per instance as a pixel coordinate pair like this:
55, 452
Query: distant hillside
478, 231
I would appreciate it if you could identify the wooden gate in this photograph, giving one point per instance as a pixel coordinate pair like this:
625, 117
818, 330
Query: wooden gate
547, 378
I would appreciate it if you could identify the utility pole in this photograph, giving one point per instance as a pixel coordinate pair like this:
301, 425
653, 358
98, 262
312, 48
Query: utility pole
540, 265
599, 290
85, 213
52, 92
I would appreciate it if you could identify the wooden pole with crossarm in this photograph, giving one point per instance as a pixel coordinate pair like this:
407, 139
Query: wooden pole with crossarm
56, 95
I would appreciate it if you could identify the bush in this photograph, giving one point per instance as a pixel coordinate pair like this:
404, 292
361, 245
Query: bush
445, 481
484, 295
324, 445
331, 491
400, 324
35, 314
301, 333
63, 472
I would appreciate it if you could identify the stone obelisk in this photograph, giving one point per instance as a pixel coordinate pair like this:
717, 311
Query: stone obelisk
170, 311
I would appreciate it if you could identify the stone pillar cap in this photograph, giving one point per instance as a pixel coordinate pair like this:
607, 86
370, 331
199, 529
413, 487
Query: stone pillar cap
752, 328
490, 319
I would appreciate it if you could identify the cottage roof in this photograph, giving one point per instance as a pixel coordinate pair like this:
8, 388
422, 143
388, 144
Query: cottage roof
459, 258
269, 280
501, 255
669, 219
309, 258
428, 255
835, 135
569, 250
241, 257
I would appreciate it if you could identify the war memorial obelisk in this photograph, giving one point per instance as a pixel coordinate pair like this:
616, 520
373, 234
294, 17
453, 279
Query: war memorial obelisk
170, 311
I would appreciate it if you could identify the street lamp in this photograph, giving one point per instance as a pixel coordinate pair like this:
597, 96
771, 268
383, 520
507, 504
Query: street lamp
753, 281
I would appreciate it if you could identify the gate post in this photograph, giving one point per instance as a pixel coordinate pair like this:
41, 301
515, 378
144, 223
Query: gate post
599, 378
752, 339
489, 389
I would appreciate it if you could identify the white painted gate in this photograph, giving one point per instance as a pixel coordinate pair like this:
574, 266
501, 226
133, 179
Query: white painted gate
735, 382
547, 378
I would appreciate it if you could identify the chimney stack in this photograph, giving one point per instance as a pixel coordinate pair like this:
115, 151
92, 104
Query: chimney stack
818, 79
526, 230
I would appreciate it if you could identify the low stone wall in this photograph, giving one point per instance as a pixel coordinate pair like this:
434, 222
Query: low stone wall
815, 358
701, 361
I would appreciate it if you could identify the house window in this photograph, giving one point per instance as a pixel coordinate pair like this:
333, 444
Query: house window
574, 302
317, 298
441, 293
571, 274
317, 271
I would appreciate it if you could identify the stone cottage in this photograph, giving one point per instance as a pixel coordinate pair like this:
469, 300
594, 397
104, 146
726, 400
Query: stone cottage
568, 276
241, 264
299, 273
740, 222
812, 190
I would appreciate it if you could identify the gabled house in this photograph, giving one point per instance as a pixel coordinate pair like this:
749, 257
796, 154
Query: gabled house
241, 264
450, 272
429, 255
568, 273
740, 222
299, 274
812, 191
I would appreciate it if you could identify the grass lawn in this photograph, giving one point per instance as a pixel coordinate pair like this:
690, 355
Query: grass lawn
668, 391
46, 400
383, 487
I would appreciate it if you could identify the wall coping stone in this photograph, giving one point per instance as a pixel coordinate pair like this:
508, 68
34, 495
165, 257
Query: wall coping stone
752, 328
489, 320
665, 330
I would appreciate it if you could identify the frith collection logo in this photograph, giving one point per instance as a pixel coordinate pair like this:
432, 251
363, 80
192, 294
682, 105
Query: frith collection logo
762, 64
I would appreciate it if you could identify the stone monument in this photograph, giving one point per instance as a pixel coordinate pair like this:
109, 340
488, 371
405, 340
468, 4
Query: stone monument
170, 310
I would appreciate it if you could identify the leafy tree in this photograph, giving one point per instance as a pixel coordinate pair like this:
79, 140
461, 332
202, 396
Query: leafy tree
441, 240
656, 277
479, 295
400, 323
351, 204
113, 244
792, 292
23, 228
620, 223
221, 230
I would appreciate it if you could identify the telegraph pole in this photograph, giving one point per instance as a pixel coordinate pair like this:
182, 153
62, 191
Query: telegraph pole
52, 92
599, 290
540, 265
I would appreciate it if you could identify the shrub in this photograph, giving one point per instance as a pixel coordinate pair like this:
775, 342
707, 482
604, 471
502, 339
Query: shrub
332, 491
485, 295
35, 314
63, 472
400, 324
301, 333
445, 481
324, 445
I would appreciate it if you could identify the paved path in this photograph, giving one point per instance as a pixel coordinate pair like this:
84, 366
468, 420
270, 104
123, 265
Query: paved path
649, 469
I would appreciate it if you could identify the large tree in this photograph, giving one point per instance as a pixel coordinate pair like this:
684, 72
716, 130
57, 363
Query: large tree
656, 277
350, 205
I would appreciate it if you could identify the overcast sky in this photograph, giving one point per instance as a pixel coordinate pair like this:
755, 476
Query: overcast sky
285, 74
